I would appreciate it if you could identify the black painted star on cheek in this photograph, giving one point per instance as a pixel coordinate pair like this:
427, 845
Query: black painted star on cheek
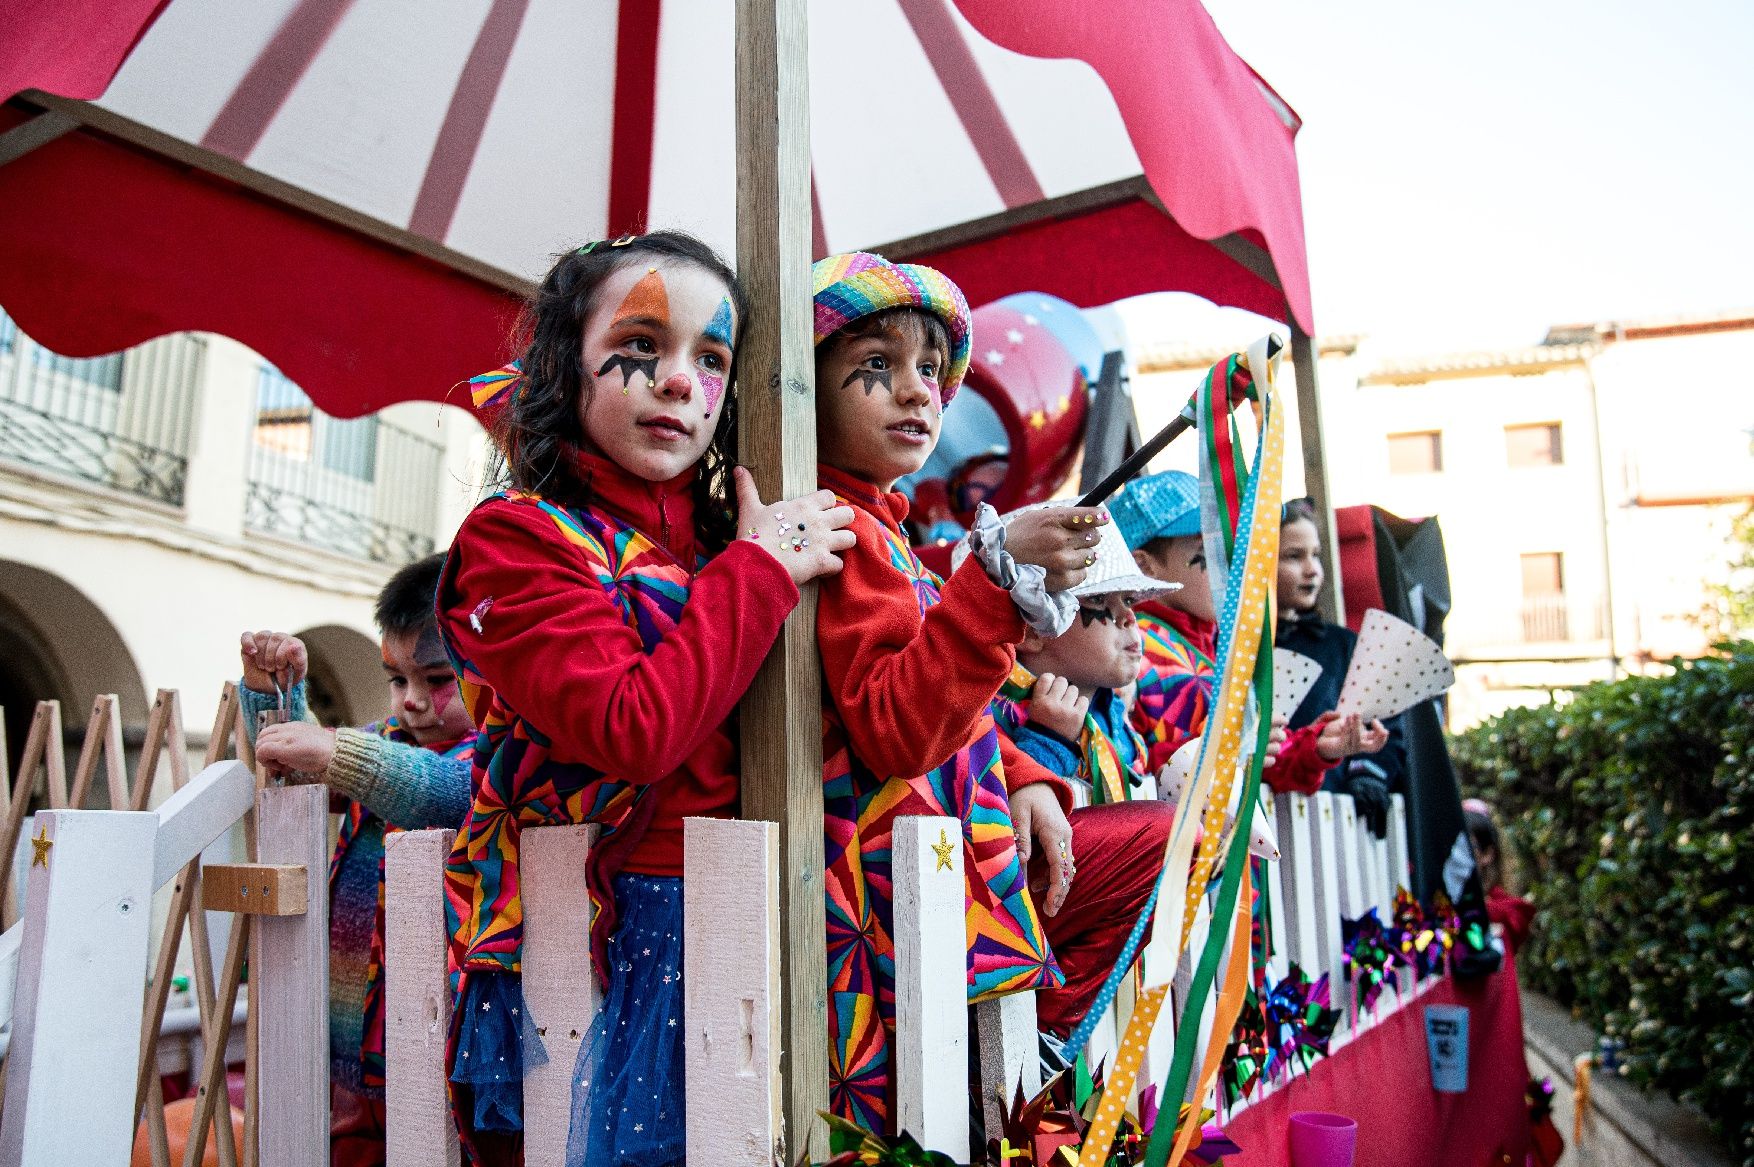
628, 366
871, 377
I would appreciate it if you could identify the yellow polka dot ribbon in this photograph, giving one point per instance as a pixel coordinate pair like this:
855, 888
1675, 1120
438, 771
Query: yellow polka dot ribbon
1246, 504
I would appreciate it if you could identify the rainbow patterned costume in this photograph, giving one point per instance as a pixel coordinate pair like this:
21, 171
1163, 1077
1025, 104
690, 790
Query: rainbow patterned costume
516, 784
1007, 949
1175, 688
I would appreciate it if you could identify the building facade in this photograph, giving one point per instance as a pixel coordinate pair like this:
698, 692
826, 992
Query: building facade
1585, 486
156, 503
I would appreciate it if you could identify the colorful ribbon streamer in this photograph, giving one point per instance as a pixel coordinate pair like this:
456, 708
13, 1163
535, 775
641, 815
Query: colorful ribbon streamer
1238, 514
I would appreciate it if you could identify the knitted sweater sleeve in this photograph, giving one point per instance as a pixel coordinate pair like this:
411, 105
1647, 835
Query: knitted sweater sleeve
531, 617
910, 689
252, 704
404, 785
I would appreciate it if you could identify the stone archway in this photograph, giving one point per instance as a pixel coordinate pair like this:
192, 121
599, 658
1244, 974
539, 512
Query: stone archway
346, 685
55, 644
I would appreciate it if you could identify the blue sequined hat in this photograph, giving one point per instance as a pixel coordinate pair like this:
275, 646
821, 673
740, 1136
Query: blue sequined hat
1158, 506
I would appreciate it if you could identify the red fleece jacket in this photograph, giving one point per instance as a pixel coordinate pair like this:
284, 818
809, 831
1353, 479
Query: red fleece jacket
910, 687
555, 647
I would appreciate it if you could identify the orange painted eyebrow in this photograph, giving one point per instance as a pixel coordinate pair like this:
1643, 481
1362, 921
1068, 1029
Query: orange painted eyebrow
646, 301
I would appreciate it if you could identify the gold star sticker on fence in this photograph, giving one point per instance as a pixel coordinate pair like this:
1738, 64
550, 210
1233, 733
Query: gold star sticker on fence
942, 850
41, 843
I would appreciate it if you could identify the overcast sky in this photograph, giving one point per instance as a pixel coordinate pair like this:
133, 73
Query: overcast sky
1474, 173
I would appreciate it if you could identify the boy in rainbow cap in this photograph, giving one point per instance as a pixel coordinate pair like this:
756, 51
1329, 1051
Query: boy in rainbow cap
911, 666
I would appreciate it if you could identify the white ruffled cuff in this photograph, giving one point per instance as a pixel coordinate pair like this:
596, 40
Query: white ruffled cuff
1050, 614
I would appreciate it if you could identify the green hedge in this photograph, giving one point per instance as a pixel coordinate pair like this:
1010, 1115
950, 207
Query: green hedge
1629, 811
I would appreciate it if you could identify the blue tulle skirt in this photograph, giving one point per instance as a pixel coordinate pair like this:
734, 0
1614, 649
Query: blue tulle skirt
628, 1083
496, 1042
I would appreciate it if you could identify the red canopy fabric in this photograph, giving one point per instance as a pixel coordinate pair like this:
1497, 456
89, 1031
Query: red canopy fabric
70, 47
1216, 142
366, 221
106, 246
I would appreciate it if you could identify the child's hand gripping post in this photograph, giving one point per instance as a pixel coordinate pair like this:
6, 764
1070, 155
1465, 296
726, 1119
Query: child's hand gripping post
293, 751
1060, 540
805, 534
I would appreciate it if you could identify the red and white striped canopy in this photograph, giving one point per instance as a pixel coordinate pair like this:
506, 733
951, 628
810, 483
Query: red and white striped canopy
360, 188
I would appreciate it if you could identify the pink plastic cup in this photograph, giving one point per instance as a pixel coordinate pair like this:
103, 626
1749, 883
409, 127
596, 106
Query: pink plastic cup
1322, 1140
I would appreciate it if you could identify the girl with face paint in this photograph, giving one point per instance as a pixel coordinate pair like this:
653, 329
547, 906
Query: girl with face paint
606, 613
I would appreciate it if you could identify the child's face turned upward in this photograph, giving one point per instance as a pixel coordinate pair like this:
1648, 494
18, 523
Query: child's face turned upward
878, 404
656, 356
1101, 650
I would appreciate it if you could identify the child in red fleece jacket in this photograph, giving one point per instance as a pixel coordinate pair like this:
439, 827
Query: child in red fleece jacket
912, 663
606, 615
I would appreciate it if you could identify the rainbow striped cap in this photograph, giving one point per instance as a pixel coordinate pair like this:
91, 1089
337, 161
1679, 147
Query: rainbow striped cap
857, 284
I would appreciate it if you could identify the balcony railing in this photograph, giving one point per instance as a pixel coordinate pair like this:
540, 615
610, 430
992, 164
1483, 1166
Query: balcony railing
1545, 619
358, 487
121, 421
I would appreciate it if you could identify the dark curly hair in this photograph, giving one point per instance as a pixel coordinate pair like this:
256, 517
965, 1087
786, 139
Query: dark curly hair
537, 428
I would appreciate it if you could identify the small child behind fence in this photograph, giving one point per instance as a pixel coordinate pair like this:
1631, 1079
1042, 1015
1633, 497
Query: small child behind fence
407, 772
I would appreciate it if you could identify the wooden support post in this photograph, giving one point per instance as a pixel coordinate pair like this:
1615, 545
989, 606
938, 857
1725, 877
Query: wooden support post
1006, 1037
731, 991
931, 985
417, 1002
560, 990
1315, 470
1328, 909
82, 959
781, 716
289, 984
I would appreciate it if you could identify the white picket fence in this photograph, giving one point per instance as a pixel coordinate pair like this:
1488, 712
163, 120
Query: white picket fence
80, 957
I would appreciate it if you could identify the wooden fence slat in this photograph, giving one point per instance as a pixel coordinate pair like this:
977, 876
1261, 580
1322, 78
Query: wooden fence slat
1328, 905
1187, 1008
731, 991
417, 1002
82, 956
931, 984
1005, 1035
1400, 864
1296, 884
42, 750
289, 984
1272, 891
560, 990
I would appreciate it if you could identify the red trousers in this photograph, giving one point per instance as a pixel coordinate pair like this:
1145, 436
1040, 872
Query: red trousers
356, 1129
1118, 850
